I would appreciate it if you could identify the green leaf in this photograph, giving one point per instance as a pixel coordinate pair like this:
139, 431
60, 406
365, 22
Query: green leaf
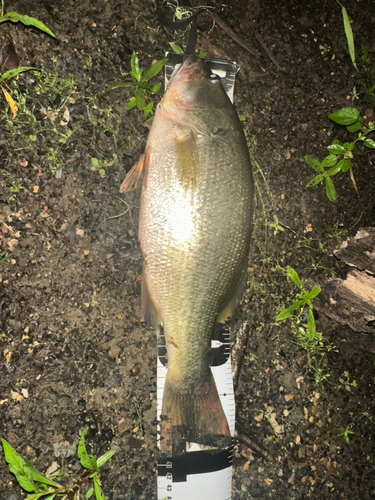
285, 313
346, 166
329, 161
330, 190
292, 274
154, 69
95, 162
87, 461
17, 466
98, 488
355, 127
16, 71
135, 75
314, 163
348, 146
369, 143
140, 99
14, 17
36, 496
131, 103
314, 292
336, 149
349, 36
345, 116
315, 180
311, 324
104, 458
176, 49
334, 170
155, 88
148, 109
89, 493
134, 64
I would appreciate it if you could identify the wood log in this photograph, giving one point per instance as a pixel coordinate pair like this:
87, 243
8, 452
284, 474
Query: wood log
351, 301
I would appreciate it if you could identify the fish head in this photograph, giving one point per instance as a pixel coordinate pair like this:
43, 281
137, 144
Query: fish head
194, 87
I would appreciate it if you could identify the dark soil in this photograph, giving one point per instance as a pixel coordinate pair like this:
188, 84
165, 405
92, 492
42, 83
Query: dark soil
73, 350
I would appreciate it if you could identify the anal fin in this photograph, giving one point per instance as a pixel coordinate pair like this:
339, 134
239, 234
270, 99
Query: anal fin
150, 312
232, 302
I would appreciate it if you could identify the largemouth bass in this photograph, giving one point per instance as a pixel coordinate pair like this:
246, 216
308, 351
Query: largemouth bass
194, 232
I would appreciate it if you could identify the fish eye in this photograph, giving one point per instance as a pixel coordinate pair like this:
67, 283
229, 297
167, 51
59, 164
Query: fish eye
214, 78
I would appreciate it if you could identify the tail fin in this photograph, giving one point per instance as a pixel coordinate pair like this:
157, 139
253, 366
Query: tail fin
194, 416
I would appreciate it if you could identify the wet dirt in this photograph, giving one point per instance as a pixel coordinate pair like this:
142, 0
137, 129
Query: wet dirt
74, 352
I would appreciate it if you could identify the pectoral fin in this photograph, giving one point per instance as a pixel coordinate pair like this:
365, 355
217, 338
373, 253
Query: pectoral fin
187, 160
135, 176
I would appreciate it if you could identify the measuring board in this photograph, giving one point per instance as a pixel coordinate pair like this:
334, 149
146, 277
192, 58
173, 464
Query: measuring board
201, 474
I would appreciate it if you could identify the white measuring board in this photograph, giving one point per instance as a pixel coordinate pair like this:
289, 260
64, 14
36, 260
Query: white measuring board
201, 474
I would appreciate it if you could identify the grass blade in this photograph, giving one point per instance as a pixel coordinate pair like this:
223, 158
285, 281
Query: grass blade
14, 17
349, 36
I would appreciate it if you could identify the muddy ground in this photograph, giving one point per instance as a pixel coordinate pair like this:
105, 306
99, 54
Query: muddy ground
73, 350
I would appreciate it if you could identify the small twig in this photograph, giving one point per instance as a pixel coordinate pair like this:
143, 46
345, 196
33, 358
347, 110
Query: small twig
233, 35
268, 52
242, 438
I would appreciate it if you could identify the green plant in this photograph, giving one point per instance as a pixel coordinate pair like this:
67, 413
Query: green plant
39, 486
104, 118
100, 166
14, 188
340, 155
345, 431
138, 421
303, 326
14, 17
345, 382
142, 89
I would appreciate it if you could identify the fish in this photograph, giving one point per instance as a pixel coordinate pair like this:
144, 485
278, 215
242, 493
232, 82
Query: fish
194, 230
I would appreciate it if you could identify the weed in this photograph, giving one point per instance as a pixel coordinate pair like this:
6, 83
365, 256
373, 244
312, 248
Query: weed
55, 161
138, 421
365, 70
32, 481
15, 185
100, 166
104, 118
142, 89
88, 63
345, 382
128, 210
303, 326
14, 17
340, 155
344, 432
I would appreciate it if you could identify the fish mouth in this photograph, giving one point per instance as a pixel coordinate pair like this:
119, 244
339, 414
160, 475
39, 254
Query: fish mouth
191, 69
